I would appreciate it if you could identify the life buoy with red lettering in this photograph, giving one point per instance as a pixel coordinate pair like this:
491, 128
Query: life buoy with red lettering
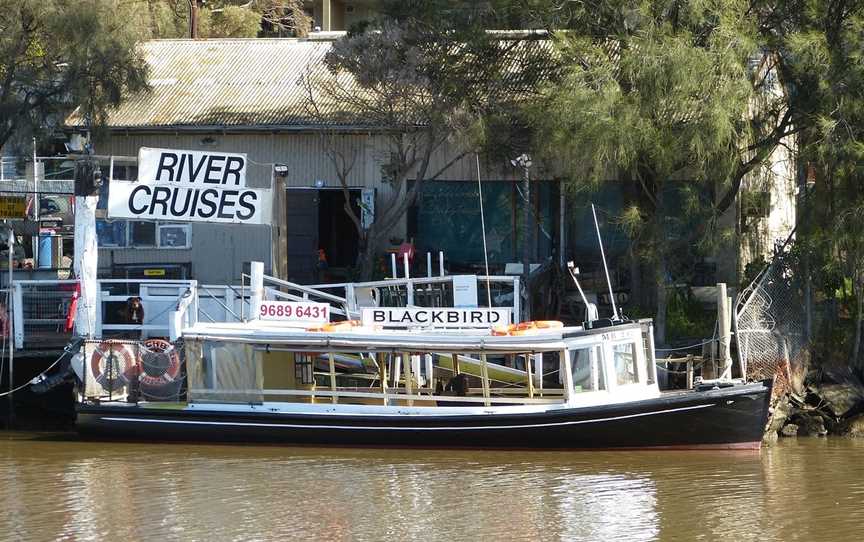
113, 365
160, 363
527, 328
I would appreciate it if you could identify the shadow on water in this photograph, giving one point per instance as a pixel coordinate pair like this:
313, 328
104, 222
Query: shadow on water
56, 487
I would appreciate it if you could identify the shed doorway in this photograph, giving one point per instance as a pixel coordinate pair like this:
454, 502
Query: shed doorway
316, 220
337, 234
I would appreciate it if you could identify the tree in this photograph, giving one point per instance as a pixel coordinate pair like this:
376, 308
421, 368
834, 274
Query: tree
820, 44
661, 94
56, 54
425, 84
225, 18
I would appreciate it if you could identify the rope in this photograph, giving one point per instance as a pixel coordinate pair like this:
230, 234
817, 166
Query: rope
688, 347
670, 371
40, 375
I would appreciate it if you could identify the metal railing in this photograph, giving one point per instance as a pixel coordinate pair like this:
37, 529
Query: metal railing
349, 298
40, 309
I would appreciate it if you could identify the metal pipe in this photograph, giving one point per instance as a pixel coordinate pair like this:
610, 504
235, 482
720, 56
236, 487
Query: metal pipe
605, 267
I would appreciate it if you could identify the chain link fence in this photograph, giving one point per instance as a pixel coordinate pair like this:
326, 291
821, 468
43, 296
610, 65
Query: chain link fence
770, 324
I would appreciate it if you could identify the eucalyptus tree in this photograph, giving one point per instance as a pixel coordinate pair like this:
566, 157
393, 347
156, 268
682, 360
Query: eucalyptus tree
820, 44
426, 82
55, 55
656, 92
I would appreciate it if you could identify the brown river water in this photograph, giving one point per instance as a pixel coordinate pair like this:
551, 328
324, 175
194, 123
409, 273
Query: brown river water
58, 488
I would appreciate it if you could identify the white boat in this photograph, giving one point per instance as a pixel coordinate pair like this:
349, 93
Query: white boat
257, 382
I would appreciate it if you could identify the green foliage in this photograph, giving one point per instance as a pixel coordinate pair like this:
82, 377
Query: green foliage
230, 22
56, 54
687, 318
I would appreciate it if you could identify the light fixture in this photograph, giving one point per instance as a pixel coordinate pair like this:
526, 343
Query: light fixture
208, 141
320, 183
523, 161
281, 170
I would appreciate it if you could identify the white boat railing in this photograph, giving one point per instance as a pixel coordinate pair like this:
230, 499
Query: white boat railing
398, 292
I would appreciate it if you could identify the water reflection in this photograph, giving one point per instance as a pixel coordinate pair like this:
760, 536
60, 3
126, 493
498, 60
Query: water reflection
68, 490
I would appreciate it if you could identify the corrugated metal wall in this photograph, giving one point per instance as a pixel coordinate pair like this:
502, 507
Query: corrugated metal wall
218, 250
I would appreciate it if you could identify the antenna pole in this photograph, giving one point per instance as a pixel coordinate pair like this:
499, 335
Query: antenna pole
605, 267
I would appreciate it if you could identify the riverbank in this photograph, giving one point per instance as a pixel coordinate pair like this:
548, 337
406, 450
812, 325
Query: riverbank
826, 402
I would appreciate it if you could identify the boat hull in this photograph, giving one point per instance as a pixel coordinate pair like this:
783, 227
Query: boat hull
727, 418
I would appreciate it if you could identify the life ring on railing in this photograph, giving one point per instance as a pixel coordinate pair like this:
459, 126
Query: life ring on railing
160, 363
113, 365
526, 328
344, 325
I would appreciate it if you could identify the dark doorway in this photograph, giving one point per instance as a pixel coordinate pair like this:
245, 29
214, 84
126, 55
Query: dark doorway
337, 234
301, 235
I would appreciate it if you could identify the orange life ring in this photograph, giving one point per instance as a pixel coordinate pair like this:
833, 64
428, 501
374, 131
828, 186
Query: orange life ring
344, 325
526, 328
109, 370
160, 363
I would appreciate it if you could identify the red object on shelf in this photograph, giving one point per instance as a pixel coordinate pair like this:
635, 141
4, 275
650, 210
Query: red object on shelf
73, 306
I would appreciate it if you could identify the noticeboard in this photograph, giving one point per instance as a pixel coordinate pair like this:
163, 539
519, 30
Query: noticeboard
13, 207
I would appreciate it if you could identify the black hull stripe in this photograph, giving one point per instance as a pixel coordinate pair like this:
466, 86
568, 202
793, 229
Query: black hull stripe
397, 428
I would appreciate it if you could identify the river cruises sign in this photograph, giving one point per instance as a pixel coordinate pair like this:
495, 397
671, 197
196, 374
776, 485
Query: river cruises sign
435, 317
189, 186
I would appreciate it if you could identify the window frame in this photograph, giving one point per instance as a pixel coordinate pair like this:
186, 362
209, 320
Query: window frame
158, 227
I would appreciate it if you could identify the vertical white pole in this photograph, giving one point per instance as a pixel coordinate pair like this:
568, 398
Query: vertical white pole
11, 342
441, 263
36, 204
393, 266
256, 286
429, 265
86, 264
405, 262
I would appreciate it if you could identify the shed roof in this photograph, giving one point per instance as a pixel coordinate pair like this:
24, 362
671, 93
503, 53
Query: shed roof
223, 83
254, 84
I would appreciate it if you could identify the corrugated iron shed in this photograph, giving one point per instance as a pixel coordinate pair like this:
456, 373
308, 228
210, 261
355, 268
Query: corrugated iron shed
225, 83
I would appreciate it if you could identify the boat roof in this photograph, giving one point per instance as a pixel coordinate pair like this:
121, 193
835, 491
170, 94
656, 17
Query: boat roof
370, 339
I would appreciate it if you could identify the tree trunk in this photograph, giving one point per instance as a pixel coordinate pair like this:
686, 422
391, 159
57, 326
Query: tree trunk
366, 256
859, 301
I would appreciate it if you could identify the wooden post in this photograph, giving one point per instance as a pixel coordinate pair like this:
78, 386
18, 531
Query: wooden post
484, 379
528, 375
724, 319
330, 356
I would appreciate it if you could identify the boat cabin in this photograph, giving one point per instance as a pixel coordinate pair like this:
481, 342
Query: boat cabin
264, 365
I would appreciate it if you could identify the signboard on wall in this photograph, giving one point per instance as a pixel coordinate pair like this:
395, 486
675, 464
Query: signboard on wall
12, 207
189, 186
195, 168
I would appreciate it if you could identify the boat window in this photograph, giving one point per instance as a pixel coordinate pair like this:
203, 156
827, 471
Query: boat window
648, 346
625, 364
587, 372
226, 372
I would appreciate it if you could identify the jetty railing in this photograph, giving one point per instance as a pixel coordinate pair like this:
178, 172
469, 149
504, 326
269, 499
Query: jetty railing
40, 308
